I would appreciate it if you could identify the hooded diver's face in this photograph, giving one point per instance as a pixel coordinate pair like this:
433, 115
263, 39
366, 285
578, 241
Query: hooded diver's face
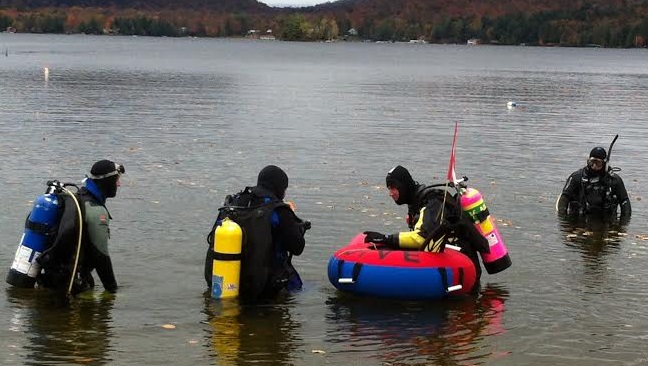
394, 193
595, 164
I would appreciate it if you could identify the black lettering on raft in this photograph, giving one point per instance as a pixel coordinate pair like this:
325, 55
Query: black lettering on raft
411, 256
383, 253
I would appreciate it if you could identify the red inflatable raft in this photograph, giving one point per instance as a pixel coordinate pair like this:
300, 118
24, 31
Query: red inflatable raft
364, 269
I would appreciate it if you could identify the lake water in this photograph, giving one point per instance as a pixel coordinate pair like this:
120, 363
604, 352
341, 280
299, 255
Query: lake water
195, 119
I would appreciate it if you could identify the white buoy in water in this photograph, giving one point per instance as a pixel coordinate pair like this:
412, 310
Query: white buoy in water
46, 73
511, 105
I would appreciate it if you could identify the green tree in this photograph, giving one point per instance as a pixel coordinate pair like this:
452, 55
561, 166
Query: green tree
50, 24
441, 30
244, 22
5, 22
294, 28
474, 28
549, 33
227, 28
384, 31
600, 34
343, 25
91, 27
159, 27
458, 30
642, 28
366, 30
124, 26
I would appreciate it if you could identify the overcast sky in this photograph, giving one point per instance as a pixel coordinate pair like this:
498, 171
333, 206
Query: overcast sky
293, 2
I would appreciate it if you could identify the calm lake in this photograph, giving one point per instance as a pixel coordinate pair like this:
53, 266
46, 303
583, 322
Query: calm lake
196, 119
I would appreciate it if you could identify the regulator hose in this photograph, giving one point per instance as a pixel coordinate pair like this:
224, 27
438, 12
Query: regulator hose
78, 249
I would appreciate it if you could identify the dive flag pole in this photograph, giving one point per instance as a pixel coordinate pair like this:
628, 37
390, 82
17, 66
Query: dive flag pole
452, 176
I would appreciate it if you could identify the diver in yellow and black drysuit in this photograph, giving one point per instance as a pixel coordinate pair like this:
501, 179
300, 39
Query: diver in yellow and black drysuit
434, 220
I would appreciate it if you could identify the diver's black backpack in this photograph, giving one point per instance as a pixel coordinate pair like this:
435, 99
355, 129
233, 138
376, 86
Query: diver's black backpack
454, 221
451, 208
254, 216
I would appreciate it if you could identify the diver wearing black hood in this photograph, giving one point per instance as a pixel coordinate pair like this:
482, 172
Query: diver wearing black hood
595, 190
434, 220
287, 239
59, 260
272, 182
427, 209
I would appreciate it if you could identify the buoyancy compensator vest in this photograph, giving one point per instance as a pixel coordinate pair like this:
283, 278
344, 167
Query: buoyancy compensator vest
596, 193
423, 195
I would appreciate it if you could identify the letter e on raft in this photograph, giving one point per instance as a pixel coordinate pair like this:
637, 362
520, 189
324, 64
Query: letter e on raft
411, 256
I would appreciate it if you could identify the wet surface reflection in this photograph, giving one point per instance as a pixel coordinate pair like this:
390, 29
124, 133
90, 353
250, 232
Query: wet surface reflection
250, 334
59, 332
444, 332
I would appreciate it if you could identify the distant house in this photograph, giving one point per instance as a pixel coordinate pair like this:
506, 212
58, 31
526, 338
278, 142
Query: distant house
268, 36
351, 35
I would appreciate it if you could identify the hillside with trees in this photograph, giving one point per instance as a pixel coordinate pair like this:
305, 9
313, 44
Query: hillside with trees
615, 23
145, 5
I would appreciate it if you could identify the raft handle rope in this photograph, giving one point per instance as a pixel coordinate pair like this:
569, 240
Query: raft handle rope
61, 187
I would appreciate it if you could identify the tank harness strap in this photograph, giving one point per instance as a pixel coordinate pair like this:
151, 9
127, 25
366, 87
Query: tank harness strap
356, 271
226, 256
483, 215
38, 228
444, 277
581, 195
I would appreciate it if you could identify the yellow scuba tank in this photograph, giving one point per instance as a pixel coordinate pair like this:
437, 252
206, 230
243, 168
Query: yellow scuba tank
226, 269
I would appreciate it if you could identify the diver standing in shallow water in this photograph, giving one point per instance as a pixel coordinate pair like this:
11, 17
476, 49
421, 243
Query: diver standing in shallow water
434, 219
272, 235
595, 190
66, 266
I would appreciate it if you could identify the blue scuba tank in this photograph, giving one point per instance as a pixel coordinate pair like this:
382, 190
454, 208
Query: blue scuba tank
40, 228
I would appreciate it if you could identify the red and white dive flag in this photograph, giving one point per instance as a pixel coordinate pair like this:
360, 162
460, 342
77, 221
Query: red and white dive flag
452, 176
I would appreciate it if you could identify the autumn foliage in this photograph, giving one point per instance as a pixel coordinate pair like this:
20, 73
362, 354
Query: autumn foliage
613, 23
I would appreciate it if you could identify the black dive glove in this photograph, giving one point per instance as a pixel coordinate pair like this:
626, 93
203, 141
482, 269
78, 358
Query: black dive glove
378, 238
304, 226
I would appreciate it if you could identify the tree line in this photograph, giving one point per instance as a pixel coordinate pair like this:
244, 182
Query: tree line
588, 25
